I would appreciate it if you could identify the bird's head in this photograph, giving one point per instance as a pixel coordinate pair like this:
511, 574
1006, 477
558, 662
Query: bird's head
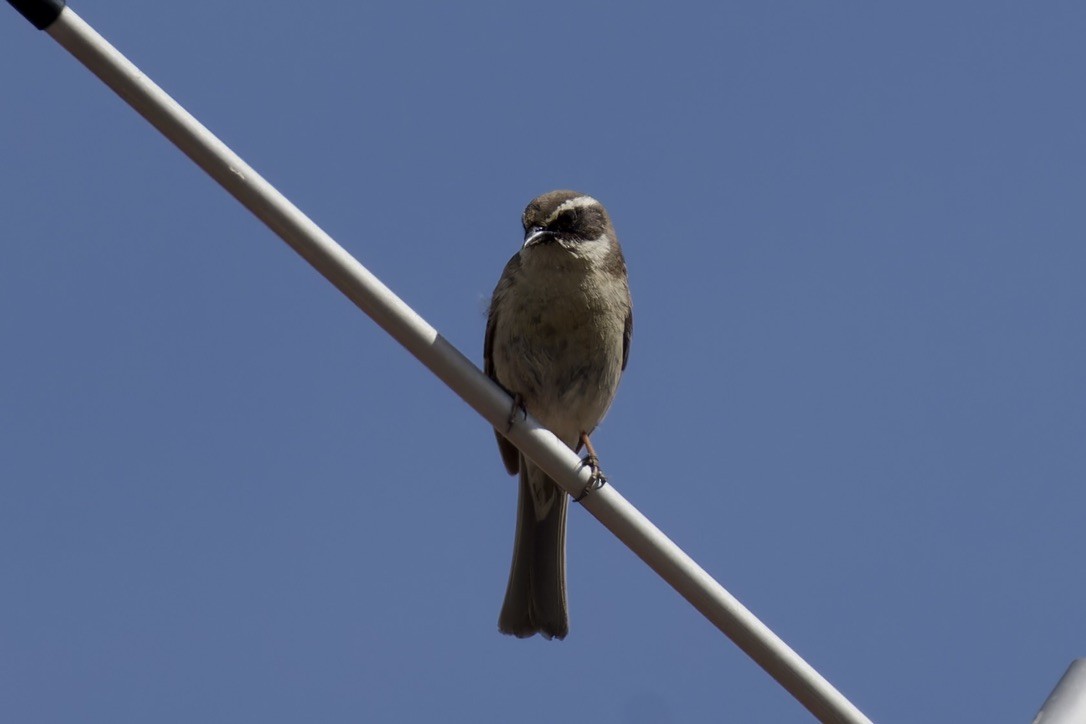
567, 218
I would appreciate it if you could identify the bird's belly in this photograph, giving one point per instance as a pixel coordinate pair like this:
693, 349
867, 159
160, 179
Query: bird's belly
564, 359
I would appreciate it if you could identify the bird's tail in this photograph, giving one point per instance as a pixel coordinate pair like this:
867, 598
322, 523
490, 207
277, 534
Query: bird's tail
535, 599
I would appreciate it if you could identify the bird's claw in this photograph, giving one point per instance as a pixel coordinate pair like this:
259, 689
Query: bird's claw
518, 405
596, 479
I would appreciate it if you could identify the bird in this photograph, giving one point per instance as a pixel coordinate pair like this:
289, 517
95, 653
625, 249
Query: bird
557, 340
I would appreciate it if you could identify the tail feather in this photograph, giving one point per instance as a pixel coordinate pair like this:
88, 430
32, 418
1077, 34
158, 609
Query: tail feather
535, 599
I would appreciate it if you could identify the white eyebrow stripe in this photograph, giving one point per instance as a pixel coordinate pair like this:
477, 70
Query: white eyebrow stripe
578, 202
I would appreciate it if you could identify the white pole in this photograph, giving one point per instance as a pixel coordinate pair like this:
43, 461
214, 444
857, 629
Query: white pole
457, 371
1067, 702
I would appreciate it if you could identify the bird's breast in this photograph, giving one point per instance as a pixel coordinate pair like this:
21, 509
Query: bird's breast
558, 344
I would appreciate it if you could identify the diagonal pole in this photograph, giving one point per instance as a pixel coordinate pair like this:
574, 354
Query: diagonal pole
444, 360
1067, 702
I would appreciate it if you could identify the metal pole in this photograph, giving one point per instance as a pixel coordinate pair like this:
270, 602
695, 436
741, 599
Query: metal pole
457, 371
1067, 702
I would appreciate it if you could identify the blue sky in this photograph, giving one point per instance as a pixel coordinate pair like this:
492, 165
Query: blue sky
856, 392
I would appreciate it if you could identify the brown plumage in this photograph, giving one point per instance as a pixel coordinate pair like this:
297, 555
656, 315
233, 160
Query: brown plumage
557, 337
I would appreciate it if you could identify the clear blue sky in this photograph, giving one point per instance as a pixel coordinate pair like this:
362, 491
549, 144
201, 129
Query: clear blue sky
856, 393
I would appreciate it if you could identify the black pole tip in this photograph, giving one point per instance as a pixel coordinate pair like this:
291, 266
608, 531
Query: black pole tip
40, 13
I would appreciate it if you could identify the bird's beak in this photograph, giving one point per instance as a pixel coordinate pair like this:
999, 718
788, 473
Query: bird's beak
534, 235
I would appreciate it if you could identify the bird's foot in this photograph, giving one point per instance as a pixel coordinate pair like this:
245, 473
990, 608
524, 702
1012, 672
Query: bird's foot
597, 479
518, 406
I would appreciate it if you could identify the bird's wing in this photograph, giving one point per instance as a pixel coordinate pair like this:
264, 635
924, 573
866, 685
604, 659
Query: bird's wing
509, 452
627, 333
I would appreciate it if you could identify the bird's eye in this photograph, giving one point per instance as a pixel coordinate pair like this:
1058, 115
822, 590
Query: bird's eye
567, 220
